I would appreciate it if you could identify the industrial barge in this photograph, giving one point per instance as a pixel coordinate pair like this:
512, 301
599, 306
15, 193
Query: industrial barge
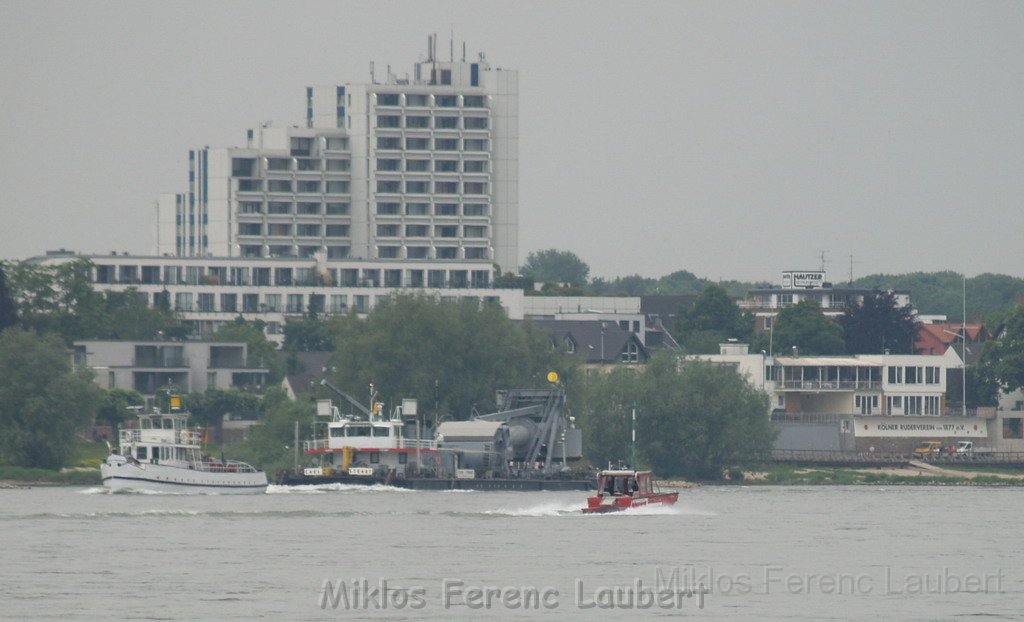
528, 444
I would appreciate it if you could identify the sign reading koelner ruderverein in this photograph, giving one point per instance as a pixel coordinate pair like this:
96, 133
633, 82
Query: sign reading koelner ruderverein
941, 427
805, 280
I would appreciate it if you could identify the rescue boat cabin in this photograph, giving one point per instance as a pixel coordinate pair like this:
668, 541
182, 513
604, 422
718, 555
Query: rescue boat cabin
623, 483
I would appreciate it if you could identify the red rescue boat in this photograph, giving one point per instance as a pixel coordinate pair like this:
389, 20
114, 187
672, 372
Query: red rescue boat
622, 489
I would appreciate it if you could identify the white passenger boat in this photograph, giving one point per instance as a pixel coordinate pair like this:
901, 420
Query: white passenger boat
163, 454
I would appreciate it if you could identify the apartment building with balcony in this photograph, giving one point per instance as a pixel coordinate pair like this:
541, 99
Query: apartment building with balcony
209, 292
798, 285
421, 168
186, 367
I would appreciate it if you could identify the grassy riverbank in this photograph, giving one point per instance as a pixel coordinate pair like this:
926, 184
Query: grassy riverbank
84, 470
904, 476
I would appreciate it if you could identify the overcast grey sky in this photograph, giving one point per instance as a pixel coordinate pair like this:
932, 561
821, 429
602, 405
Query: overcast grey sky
731, 139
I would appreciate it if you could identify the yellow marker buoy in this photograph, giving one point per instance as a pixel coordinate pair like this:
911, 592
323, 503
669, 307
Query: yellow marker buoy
552, 377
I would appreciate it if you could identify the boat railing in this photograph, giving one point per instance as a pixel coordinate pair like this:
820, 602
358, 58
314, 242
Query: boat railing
412, 443
320, 443
130, 436
225, 466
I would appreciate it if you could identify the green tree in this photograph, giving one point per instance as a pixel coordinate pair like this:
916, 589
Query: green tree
8, 310
208, 408
713, 319
879, 324
803, 325
43, 403
307, 335
1003, 357
270, 444
261, 350
452, 354
693, 420
556, 266
113, 406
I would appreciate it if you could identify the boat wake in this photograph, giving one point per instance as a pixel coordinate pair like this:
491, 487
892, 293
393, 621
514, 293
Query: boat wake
315, 489
544, 509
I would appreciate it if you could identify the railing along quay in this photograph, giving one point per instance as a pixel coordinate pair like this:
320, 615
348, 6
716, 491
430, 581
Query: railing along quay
873, 458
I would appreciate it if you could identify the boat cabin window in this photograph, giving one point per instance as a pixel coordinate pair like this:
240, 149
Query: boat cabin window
156, 453
168, 424
358, 430
140, 453
375, 458
337, 432
381, 431
146, 424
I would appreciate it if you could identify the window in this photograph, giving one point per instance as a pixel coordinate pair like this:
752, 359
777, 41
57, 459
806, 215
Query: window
912, 404
250, 185
474, 187
417, 144
301, 145
446, 144
294, 303
387, 99
279, 185
415, 100
250, 228
308, 231
387, 164
388, 209
308, 164
476, 253
913, 375
362, 304
631, 353
417, 252
417, 122
416, 231
336, 144
389, 252
447, 252
250, 207
474, 101
183, 302
250, 303
446, 76
417, 166
895, 375
446, 166
279, 207
446, 231
206, 302
1013, 428
389, 120
389, 142
446, 209
308, 208
243, 167
475, 144
273, 302
339, 303
389, 185
475, 231
279, 229
417, 209
338, 165
337, 187
229, 303
446, 187
931, 405
475, 166
337, 231
283, 276
417, 187
387, 231
446, 123
279, 164
474, 209
337, 252
475, 123
337, 209
446, 101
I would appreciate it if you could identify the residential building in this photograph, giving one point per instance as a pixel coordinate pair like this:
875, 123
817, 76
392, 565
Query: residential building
423, 168
799, 285
937, 337
595, 342
187, 367
209, 292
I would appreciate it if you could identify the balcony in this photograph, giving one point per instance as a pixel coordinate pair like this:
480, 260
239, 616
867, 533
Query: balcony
830, 385
169, 362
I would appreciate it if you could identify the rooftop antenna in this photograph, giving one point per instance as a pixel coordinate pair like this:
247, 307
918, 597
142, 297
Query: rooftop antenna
451, 44
851, 268
463, 51
821, 256
373, 77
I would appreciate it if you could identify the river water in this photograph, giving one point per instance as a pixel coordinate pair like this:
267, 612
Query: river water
800, 553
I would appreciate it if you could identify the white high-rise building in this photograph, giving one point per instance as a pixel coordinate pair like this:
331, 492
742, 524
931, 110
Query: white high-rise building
420, 168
